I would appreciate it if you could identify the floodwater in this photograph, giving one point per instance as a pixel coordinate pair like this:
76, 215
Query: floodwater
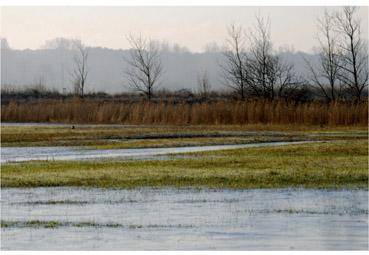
19, 154
185, 219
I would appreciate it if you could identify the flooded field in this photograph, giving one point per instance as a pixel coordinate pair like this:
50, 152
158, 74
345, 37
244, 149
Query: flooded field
185, 219
19, 154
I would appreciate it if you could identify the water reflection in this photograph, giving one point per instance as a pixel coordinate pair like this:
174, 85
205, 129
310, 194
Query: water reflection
18, 154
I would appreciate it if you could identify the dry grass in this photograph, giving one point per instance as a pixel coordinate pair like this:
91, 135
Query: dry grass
235, 112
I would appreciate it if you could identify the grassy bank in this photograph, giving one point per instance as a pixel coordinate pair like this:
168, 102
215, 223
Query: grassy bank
341, 164
109, 137
179, 113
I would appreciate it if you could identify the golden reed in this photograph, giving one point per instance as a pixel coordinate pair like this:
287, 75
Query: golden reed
229, 112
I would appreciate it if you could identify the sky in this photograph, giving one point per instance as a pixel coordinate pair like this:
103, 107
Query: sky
191, 27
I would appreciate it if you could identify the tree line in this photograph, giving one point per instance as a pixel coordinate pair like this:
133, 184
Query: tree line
252, 69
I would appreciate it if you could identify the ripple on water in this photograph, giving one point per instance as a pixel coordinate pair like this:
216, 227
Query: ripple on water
182, 219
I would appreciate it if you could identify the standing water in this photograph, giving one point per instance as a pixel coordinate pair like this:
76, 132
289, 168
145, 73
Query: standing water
19, 154
183, 219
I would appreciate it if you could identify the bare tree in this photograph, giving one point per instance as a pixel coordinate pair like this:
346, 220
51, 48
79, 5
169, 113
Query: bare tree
80, 70
145, 66
287, 82
354, 57
325, 76
234, 71
261, 62
203, 83
268, 75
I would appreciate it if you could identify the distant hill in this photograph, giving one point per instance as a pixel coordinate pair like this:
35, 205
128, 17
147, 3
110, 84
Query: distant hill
52, 68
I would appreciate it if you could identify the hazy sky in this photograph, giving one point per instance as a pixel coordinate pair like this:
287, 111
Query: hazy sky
192, 27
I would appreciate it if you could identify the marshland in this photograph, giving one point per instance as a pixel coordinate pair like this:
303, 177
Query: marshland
305, 180
258, 152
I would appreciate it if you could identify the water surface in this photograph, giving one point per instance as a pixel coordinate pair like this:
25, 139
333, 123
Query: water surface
185, 219
19, 154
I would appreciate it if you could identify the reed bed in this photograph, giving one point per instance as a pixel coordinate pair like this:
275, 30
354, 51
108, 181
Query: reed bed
222, 112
